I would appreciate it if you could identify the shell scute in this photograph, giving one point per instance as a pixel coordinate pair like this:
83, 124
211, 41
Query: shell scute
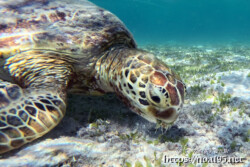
80, 28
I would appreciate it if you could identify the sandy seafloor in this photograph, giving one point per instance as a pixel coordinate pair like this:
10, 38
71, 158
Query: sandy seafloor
214, 123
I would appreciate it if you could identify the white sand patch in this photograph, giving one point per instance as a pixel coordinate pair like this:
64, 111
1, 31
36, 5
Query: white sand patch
237, 83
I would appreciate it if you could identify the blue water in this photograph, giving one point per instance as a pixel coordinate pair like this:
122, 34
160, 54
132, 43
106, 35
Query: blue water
187, 21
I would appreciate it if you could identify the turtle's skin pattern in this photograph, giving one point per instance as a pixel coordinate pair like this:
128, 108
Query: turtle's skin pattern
50, 48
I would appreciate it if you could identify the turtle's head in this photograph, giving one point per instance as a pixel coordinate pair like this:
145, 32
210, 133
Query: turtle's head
144, 83
150, 88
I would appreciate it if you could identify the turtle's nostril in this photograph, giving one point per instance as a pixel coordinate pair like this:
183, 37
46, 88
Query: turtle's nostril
166, 114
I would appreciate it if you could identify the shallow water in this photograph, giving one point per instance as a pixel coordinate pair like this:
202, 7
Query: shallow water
192, 21
207, 43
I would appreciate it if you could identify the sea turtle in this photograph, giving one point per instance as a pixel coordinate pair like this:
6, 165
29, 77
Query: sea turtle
49, 48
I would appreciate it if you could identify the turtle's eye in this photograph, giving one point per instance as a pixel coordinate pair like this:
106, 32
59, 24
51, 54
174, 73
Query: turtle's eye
156, 99
154, 95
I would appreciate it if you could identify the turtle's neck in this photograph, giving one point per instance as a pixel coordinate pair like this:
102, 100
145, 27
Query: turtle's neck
110, 66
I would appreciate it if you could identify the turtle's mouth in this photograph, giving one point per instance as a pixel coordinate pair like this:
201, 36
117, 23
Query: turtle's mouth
161, 124
167, 115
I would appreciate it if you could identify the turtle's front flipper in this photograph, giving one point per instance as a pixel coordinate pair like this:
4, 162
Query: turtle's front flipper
26, 115
34, 106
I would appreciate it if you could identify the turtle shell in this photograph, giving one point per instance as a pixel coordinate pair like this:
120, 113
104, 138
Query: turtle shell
77, 28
